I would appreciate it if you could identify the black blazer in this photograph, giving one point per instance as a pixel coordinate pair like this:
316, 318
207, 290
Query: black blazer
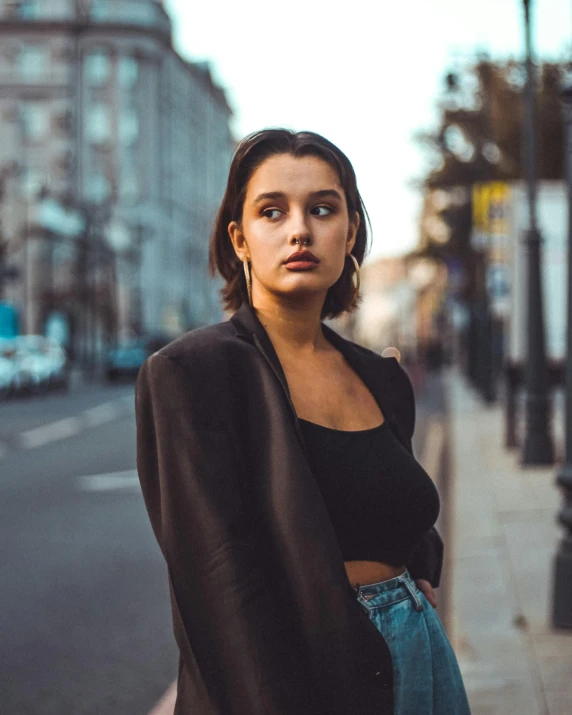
264, 615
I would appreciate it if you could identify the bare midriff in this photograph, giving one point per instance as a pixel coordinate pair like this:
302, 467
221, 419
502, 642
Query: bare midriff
365, 572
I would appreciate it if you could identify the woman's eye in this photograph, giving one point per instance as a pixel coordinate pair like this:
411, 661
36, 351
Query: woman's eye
327, 209
267, 213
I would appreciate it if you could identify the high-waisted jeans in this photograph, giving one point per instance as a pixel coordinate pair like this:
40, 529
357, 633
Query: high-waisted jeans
426, 675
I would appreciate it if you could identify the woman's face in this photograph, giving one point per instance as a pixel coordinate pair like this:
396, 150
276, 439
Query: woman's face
291, 198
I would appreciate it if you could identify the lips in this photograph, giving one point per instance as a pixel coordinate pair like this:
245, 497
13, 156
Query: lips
302, 257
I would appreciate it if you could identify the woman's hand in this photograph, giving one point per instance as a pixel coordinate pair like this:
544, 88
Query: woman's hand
427, 590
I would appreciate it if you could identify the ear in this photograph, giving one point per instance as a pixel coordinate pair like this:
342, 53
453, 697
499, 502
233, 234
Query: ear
238, 241
352, 233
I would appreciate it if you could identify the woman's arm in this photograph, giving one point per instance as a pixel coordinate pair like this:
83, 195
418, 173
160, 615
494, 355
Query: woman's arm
232, 630
426, 562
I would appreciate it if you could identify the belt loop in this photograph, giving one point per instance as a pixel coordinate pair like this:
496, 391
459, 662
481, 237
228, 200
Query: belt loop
416, 600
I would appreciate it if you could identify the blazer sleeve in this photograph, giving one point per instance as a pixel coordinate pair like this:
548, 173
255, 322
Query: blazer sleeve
233, 634
426, 562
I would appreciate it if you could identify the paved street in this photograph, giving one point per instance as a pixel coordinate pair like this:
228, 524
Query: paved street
85, 621
505, 537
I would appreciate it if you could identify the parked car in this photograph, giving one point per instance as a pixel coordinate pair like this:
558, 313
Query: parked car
124, 360
8, 368
32, 364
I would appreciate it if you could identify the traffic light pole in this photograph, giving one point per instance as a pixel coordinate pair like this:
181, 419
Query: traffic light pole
562, 590
538, 446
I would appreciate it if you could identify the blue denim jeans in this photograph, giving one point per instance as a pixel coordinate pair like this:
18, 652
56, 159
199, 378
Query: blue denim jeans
426, 675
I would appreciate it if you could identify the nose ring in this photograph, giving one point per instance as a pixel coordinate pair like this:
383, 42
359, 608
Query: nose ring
305, 241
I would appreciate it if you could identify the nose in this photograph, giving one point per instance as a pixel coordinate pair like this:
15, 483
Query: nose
299, 229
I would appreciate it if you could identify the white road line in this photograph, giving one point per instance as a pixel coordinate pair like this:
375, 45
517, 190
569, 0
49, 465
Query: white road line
51, 432
100, 415
70, 426
114, 481
166, 706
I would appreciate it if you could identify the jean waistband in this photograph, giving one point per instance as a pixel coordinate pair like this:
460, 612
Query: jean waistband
390, 589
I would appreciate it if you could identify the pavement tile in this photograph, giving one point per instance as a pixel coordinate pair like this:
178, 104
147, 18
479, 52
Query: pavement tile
554, 653
505, 537
531, 545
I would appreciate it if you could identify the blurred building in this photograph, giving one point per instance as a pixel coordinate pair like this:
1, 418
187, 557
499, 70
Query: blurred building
402, 301
113, 160
388, 313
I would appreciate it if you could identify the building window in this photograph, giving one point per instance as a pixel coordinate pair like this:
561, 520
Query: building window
32, 62
128, 127
64, 121
98, 123
22, 9
129, 11
127, 72
97, 189
28, 9
97, 68
129, 188
31, 181
63, 164
35, 121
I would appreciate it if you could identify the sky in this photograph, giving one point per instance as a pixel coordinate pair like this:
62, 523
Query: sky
366, 74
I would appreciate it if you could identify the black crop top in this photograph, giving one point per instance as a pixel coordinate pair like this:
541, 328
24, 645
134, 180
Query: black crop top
380, 499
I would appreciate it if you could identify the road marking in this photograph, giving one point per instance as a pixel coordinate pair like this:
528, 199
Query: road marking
51, 432
433, 448
114, 481
100, 415
70, 426
166, 706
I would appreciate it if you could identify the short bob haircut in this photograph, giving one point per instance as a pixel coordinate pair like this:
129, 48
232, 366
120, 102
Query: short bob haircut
251, 152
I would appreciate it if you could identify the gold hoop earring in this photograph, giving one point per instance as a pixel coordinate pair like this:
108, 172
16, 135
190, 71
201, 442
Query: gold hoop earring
248, 280
356, 265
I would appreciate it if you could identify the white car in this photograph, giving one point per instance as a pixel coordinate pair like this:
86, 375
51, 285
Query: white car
40, 363
7, 376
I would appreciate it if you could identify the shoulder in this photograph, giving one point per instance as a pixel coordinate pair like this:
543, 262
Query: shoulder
388, 364
206, 361
197, 349
396, 380
180, 383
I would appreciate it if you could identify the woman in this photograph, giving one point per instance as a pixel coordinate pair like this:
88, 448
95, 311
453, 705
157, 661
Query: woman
276, 465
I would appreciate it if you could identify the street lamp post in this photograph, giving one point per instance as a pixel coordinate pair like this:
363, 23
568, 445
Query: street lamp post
538, 446
562, 589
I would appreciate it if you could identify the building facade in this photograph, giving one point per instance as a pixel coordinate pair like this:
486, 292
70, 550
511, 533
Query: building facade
113, 161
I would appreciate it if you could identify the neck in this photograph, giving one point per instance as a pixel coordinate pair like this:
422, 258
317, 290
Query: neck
293, 327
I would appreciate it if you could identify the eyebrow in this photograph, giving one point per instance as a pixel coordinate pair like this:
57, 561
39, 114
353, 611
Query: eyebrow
331, 193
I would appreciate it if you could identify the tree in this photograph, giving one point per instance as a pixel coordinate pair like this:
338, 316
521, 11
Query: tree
480, 137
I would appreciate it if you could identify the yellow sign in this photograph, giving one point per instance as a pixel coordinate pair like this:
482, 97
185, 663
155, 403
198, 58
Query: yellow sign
490, 206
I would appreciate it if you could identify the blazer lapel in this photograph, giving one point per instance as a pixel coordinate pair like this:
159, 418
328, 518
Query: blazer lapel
248, 327
375, 371
379, 374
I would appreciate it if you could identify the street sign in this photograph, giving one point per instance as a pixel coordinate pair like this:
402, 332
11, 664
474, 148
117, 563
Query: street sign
490, 212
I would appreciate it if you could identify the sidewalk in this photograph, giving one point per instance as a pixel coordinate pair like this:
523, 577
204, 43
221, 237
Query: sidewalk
504, 538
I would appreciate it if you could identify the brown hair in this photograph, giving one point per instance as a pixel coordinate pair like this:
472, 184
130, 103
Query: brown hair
251, 152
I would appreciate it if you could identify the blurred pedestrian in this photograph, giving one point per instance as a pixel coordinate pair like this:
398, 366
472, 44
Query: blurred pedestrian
276, 465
